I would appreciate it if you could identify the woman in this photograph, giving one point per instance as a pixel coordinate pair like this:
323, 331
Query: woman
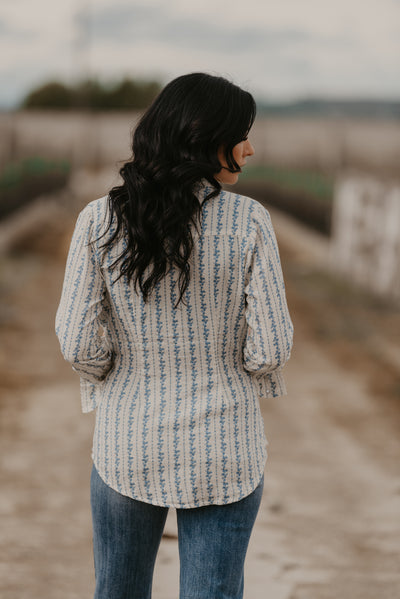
173, 313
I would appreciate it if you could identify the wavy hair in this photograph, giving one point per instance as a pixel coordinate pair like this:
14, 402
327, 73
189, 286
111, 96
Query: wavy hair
175, 146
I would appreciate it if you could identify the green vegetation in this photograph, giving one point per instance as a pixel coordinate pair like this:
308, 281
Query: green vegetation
26, 179
305, 194
91, 94
302, 182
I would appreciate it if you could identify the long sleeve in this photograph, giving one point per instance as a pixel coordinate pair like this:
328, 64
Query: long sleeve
81, 319
269, 336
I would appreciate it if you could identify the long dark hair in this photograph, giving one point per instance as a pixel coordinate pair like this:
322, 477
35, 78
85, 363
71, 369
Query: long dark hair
175, 146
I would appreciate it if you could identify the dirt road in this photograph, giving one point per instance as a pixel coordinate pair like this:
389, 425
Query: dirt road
329, 524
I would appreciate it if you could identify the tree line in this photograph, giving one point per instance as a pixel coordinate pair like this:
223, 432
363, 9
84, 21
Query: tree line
91, 94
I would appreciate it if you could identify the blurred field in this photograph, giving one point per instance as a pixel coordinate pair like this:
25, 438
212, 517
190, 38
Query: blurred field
329, 522
99, 139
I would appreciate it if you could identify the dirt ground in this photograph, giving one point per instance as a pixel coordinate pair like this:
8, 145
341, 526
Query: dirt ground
329, 523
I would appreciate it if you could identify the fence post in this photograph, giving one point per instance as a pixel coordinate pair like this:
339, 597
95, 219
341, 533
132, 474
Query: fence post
365, 239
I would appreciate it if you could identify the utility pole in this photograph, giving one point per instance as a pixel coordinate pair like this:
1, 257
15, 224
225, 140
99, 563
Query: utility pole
87, 153
81, 43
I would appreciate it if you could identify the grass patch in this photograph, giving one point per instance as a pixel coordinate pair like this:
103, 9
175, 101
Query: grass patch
309, 183
23, 180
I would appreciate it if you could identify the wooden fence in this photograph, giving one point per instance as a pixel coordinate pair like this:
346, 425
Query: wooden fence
365, 235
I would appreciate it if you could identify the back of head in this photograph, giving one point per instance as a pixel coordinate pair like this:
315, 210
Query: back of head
175, 146
187, 123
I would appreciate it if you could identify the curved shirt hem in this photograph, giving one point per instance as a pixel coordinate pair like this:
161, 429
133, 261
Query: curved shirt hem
196, 504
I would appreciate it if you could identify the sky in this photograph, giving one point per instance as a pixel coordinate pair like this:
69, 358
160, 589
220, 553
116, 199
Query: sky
278, 50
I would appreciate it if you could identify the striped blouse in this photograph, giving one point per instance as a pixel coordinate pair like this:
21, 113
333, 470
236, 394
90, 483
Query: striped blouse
176, 391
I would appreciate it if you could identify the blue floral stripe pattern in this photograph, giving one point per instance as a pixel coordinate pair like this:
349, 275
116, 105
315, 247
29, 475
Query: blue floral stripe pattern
177, 390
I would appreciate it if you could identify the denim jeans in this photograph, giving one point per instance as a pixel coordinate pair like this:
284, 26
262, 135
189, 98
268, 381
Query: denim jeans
212, 541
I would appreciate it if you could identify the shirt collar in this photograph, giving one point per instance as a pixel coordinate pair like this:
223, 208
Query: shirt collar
202, 189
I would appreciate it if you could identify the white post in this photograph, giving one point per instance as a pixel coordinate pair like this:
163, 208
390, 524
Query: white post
365, 242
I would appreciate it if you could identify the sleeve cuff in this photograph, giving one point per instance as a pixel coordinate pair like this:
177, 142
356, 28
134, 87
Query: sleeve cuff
271, 384
91, 395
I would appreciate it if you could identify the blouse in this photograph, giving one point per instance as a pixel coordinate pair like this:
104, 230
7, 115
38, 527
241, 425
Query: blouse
176, 390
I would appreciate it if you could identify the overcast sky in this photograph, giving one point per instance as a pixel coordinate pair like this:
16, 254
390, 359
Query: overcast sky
279, 49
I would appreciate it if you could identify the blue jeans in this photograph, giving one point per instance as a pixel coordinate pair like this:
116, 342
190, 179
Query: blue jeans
212, 542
